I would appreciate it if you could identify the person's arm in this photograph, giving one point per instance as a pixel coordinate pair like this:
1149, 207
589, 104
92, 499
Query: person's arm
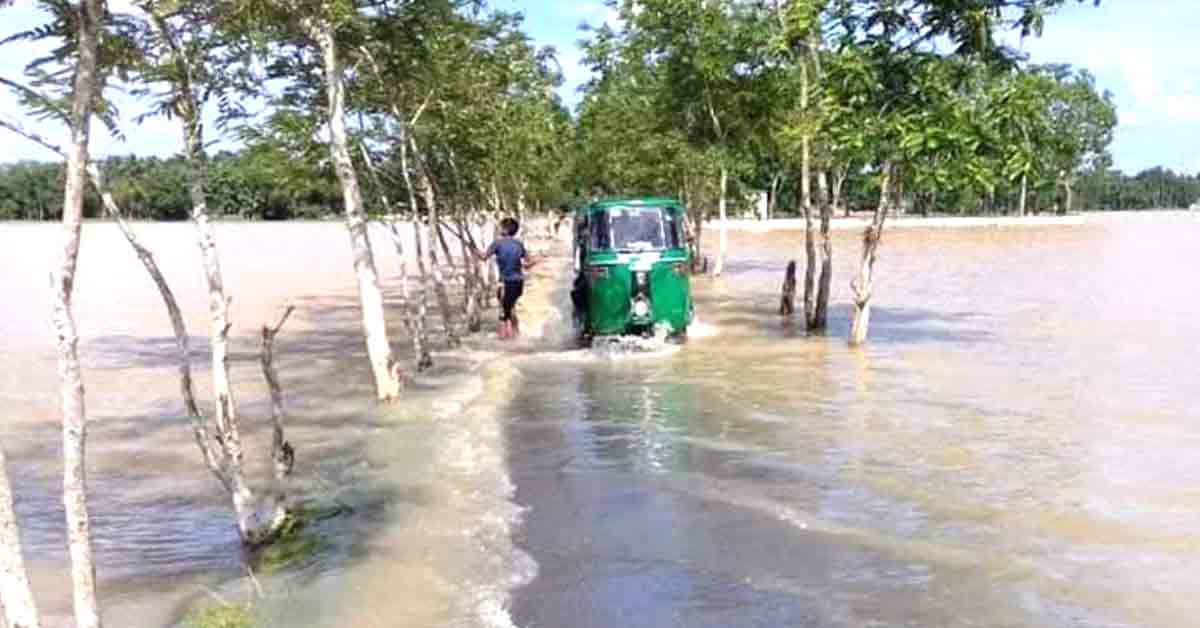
483, 257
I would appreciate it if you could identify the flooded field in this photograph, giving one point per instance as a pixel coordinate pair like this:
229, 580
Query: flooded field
1015, 447
164, 535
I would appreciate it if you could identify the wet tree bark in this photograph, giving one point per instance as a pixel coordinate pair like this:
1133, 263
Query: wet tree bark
862, 284
16, 596
383, 365
787, 293
71, 394
821, 313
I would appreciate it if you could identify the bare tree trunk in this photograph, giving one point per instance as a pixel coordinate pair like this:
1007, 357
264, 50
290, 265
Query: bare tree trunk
421, 338
282, 454
772, 201
695, 231
71, 395
1024, 195
441, 236
16, 596
810, 265
723, 247
810, 252
839, 179
1070, 197
383, 364
439, 280
259, 519
471, 280
862, 284
787, 293
821, 313
223, 465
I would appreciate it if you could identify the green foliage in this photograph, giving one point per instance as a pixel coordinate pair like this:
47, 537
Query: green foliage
223, 616
455, 99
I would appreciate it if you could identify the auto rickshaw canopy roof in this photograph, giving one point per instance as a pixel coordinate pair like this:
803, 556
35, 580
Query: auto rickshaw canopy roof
640, 201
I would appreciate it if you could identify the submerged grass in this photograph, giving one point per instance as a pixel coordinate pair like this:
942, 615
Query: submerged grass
299, 539
223, 616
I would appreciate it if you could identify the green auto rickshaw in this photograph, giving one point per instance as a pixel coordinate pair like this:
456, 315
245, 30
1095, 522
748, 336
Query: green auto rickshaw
633, 268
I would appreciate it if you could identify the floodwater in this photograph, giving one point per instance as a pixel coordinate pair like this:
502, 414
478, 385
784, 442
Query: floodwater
163, 532
1015, 447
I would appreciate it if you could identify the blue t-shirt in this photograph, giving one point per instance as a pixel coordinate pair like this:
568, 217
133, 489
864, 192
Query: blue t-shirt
509, 252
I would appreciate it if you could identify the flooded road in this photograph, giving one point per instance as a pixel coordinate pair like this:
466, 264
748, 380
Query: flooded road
1015, 447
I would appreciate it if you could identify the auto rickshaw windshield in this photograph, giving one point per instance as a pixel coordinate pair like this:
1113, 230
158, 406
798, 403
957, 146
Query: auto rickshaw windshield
636, 229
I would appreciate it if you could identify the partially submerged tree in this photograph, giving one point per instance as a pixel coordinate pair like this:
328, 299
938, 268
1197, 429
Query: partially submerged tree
184, 50
88, 16
16, 596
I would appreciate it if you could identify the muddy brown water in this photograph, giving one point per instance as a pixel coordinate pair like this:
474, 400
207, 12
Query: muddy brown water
1015, 447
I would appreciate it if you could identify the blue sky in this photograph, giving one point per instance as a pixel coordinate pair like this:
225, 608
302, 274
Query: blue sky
1144, 51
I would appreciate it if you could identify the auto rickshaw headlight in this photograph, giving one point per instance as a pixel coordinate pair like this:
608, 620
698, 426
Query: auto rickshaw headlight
641, 308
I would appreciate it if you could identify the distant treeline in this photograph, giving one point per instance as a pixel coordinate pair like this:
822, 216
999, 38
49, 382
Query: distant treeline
261, 185
1105, 190
249, 184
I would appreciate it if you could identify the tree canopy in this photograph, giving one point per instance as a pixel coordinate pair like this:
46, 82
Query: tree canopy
456, 98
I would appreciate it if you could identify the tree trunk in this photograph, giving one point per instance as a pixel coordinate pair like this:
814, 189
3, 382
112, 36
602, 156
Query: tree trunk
1024, 195
470, 287
379, 351
862, 285
723, 246
694, 227
1069, 201
283, 456
16, 596
255, 526
421, 338
439, 280
821, 313
71, 395
259, 519
419, 331
772, 201
787, 293
810, 262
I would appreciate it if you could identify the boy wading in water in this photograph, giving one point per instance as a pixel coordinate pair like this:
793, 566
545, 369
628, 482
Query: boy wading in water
511, 260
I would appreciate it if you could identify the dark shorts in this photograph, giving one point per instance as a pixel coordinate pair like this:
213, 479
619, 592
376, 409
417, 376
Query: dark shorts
509, 293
